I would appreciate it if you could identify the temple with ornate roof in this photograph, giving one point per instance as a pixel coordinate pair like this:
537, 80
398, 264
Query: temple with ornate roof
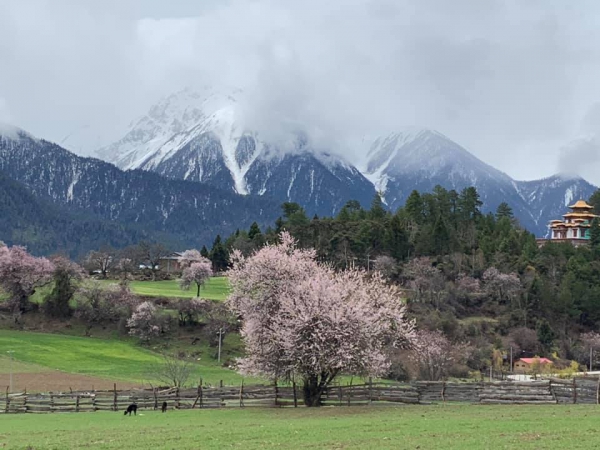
575, 227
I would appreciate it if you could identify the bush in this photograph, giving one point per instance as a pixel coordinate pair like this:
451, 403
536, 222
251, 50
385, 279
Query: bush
146, 322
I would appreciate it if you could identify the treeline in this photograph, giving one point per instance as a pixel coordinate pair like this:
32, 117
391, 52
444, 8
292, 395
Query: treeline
457, 264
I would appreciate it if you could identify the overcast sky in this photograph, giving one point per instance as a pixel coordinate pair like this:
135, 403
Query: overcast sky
515, 82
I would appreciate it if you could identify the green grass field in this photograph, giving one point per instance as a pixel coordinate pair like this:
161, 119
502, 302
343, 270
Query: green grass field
448, 427
112, 359
216, 288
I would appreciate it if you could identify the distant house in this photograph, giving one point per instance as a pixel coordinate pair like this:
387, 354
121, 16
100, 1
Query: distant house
170, 264
525, 365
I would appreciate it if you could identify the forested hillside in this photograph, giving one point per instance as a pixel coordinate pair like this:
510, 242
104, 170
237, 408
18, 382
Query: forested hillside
480, 278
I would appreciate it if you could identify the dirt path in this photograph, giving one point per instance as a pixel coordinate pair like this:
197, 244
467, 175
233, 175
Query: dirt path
56, 381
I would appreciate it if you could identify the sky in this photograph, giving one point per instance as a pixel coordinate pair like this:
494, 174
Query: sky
517, 83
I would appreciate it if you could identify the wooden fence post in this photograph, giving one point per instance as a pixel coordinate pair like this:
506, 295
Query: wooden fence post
94, 403
242, 394
200, 386
115, 397
197, 397
598, 392
7, 401
221, 399
155, 398
77, 404
177, 404
276, 392
370, 390
25, 403
349, 391
574, 390
295, 394
51, 402
340, 394
444, 391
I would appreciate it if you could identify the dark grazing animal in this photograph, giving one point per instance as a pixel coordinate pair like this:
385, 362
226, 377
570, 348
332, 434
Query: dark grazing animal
130, 408
164, 407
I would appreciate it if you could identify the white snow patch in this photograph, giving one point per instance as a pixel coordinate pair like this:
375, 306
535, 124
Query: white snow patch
569, 195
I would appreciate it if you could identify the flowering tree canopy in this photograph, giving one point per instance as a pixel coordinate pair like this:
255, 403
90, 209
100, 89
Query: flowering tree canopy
145, 322
433, 354
196, 272
501, 286
21, 274
426, 281
303, 320
191, 256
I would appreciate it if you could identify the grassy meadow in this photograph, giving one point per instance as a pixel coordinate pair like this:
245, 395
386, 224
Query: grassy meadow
216, 288
449, 427
113, 359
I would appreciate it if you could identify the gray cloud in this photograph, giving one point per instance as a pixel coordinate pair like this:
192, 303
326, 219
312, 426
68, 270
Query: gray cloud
512, 81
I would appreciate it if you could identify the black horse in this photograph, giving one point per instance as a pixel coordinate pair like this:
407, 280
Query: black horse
164, 407
131, 408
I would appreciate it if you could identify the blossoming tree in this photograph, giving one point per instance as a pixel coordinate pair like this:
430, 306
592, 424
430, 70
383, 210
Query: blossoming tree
304, 321
21, 273
196, 270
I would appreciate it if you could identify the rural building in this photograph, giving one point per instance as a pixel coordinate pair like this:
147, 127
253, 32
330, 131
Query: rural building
170, 264
524, 365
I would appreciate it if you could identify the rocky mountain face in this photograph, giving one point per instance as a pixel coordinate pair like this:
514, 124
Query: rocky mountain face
204, 138
188, 212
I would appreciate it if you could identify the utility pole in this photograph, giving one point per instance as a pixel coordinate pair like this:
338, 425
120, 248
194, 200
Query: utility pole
220, 334
10, 352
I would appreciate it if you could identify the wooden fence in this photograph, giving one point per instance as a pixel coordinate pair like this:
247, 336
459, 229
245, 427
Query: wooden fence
536, 392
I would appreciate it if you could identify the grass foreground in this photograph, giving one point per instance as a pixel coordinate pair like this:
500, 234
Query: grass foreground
403, 427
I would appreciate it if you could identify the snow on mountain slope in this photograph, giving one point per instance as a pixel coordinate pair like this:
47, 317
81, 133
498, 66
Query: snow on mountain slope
203, 137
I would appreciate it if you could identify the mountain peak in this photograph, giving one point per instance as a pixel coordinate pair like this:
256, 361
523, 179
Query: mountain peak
11, 132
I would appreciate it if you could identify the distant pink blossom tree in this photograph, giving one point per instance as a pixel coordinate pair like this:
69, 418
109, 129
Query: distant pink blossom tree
501, 286
303, 321
466, 285
189, 257
20, 275
145, 322
433, 354
427, 282
196, 273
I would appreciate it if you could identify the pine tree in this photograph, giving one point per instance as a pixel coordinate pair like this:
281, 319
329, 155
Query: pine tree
414, 207
218, 255
254, 231
204, 251
378, 210
504, 210
595, 236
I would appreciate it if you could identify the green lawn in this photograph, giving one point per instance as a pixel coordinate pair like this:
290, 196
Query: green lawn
216, 288
105, 358
459, 427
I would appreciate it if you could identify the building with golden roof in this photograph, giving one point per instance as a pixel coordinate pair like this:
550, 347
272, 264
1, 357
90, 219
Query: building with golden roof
575, 226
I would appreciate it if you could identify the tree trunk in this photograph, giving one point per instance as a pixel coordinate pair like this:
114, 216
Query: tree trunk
312, 392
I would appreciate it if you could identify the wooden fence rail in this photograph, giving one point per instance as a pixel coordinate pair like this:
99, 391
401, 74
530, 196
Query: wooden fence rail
579, 390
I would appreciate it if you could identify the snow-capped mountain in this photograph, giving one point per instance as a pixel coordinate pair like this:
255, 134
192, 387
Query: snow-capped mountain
203, 137
549, 198
421, 159
175, 209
